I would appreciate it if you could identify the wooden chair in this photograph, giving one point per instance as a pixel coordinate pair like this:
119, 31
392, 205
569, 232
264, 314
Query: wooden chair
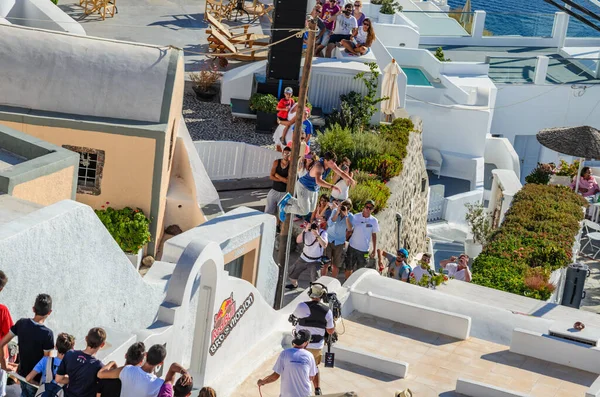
102, 7
227, 32
259, 9
246, 52
219, 9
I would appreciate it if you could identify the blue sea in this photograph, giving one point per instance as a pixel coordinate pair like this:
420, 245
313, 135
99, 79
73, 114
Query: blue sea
528, 17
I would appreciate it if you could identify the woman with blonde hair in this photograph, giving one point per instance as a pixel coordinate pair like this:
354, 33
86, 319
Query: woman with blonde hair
361, 43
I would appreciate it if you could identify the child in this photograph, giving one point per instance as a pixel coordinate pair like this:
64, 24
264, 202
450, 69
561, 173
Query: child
35, 341
285, 104
64, 343
112, 387
5, 323
79, 368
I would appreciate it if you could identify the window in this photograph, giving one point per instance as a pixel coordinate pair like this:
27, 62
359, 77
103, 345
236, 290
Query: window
235, 267
91, 165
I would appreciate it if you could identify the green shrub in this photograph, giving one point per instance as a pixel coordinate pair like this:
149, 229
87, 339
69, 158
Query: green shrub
536, 238
130, 228
385, 166
369, 190
366, 145
338, 140
566, 169
266, 103
540, 174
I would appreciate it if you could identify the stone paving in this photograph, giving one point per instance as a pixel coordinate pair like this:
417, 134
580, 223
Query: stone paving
435, 363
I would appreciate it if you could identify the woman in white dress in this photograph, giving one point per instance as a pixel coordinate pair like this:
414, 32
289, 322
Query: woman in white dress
281, 135
361, 43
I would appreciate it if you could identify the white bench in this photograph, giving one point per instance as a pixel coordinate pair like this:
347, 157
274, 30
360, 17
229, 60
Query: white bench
365, 359
477, 389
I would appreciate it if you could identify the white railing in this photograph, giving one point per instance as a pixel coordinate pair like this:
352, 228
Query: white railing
435, 208
226, 160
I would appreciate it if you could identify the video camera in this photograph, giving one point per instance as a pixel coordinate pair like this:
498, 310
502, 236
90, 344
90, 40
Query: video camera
334, 304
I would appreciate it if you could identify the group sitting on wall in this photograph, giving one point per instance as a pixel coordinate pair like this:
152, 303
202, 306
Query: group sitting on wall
39, 363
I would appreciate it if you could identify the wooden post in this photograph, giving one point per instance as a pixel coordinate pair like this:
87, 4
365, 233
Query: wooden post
291, 185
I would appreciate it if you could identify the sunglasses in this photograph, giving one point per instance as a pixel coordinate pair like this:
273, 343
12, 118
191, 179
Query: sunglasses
369, 208
366, 24
357, 5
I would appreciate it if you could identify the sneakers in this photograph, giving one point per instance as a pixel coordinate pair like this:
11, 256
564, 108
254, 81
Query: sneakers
318, 392
281, 204
291, 286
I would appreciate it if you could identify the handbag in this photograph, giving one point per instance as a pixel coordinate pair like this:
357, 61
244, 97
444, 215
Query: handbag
49, 389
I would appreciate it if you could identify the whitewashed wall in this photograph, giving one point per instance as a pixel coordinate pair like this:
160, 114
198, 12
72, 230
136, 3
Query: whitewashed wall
42, 14
226, 160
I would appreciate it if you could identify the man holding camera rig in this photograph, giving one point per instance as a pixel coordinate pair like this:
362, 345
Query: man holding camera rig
314, 238
316, 318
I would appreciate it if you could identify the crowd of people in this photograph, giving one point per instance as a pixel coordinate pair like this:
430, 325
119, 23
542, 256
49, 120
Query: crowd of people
39, 362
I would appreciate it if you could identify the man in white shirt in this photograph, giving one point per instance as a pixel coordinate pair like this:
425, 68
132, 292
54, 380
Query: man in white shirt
458, 268
364, 229
423, 268
346, 26
296, 367
140, 381
314, 238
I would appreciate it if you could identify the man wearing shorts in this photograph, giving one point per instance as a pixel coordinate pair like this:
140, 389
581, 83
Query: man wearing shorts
364, 227
316, 318
336, 231
329, 10
345, 27
279, 175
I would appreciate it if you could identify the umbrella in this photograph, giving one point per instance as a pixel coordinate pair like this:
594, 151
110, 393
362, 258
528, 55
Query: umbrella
465, 17
583, 141
390, 88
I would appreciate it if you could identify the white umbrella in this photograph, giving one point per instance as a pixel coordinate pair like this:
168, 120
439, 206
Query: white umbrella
465, 17
390, 88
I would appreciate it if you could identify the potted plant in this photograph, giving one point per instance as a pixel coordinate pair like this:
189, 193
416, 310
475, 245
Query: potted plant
564, 174
374, 7
265, 106
481, 228
387, 12
205, 84
130, 228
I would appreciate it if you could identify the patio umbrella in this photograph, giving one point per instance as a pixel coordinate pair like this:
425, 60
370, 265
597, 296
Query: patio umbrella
390, 88
465, 17
583, 141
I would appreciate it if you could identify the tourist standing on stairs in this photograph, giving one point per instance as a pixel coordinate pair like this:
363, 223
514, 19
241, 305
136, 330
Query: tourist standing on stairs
314, 237
458, 268
307, 188
279, 175
364, 228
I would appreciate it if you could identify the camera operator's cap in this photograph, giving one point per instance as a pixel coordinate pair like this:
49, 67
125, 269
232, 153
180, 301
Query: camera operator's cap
316, 291
301, 337
288, 90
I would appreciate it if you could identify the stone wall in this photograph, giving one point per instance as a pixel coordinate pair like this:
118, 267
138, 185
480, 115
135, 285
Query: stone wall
409, 199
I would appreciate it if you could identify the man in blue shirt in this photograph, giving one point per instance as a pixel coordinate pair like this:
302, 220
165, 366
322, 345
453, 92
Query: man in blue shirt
307, 126
336, 228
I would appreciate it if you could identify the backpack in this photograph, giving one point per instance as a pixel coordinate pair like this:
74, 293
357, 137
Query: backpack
402, 269
49, 389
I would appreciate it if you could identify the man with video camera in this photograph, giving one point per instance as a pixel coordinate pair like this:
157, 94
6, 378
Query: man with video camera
316, 318
314, 237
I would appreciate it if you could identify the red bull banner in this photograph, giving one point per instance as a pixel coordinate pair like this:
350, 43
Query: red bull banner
226, 319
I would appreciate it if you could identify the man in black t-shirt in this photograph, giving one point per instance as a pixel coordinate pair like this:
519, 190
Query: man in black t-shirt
112, 387
80, 367
35, 341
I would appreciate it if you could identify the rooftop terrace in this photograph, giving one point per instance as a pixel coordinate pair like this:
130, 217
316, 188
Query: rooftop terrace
435, 363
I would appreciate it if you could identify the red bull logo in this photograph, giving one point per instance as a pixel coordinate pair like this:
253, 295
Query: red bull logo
226, 318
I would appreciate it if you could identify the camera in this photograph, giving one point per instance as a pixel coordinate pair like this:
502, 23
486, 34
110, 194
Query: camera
334, 304
314, 226
343, 208
293, 319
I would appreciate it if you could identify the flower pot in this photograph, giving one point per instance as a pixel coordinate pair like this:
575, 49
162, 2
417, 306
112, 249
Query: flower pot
472, 249
386, 18
265, 122
207, 94
135, 259
559, 180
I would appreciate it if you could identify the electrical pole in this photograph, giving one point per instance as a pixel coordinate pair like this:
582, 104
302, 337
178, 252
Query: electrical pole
291, 184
